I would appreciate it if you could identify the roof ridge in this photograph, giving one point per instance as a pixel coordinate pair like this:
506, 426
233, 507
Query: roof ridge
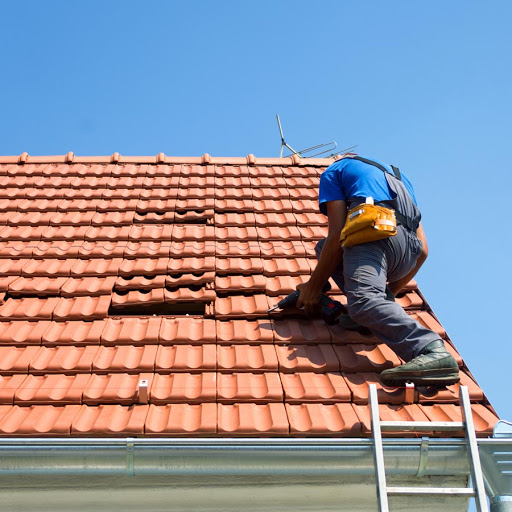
161, 158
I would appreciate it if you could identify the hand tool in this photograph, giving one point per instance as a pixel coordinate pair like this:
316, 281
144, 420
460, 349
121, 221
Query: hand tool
329, 309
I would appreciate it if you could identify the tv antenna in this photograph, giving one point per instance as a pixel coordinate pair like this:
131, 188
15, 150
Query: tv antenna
329, 146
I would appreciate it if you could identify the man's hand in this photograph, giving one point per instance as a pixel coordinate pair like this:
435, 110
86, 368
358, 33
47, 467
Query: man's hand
310, 296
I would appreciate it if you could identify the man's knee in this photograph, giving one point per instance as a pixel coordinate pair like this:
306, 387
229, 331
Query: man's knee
360, 306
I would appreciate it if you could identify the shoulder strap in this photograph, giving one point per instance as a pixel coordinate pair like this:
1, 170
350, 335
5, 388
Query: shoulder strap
402, 219
396, 170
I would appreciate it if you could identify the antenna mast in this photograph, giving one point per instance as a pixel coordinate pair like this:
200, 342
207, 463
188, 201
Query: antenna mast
330, 146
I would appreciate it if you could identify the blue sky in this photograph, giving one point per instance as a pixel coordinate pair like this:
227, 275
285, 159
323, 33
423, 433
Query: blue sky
425, 86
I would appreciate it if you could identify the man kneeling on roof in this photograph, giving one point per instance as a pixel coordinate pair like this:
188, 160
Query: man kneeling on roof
371, 273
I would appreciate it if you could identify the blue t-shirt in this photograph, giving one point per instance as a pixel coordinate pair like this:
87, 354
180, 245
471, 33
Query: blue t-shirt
349, 179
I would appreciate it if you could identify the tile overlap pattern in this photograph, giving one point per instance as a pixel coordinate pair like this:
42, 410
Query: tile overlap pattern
134, 297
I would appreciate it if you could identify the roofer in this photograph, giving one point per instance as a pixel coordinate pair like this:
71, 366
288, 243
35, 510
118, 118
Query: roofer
371, 273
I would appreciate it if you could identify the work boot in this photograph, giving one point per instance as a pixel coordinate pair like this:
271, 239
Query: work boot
433, 366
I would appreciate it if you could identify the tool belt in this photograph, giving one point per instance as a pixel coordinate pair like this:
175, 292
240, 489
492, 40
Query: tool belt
368, 222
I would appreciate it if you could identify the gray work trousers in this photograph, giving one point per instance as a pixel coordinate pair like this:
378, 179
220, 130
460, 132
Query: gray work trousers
362, 275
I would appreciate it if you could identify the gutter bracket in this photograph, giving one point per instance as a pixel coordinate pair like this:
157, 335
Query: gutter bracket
422, 465
130, 470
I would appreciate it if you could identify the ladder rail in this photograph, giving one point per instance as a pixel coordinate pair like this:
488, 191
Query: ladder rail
467, 425
474, 457
378, 451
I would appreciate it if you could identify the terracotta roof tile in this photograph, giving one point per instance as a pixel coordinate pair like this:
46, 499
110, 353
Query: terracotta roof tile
278, 285
16, 249
249, 387
115, 388
300, 331
182, 419
243, 358
130, 282
202, 247
38, 420
124, 359
278, 233
82, 308
28, 309
286, 267
191, 249
138, 297
143, 266
68, 360
300, 387
193, 232
186, 358
16, 359
131, 331
272, 205
238, 265
113, 420
135, 250
60, 249
184, 387
191, 293
39, 286
365, 358
49, 267
51, 389
238, 283
358, 384
244, 331
187, 330
233, 204
88, 286
8, 387
307, 358
282, 249
195, 279
191, 265
339, 419
72, 333
22, 332
249, 419
251, 306
115, 218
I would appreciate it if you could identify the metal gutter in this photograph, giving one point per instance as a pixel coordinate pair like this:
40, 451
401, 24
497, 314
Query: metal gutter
273, 456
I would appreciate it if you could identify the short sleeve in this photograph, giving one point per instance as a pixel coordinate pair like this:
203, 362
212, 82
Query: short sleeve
330, 188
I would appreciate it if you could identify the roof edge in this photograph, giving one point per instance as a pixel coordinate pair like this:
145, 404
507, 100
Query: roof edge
161, 158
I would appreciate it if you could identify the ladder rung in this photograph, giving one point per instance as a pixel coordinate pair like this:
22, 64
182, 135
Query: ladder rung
431, 491
440, 426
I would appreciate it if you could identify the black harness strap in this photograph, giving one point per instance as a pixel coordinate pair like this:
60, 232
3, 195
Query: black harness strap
402, 219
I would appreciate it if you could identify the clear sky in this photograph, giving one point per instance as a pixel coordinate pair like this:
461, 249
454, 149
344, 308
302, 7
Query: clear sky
423, 85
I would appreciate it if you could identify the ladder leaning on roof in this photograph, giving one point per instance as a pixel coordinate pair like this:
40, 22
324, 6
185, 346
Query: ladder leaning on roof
383, 491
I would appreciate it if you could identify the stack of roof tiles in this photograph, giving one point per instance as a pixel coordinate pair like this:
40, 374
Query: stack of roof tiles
134, 296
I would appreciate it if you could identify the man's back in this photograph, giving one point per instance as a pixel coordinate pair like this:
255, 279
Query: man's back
349, 179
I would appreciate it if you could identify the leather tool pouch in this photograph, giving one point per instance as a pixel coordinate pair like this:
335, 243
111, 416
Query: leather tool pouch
368, 222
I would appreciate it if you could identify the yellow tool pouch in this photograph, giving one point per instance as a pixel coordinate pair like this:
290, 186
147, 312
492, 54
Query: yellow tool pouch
368, 222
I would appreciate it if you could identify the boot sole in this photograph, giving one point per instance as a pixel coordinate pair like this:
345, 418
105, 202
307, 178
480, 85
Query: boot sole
437, 378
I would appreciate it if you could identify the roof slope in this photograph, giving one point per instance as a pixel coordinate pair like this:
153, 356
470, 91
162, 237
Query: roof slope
134, 294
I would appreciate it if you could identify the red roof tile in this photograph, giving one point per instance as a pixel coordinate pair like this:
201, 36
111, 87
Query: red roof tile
187, 358
181, 419
323, 419
68, 360
83, 238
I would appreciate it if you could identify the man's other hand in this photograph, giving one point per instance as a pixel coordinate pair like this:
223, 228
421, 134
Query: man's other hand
309, 298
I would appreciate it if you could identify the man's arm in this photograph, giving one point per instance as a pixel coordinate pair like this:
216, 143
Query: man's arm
330, 257
397, 286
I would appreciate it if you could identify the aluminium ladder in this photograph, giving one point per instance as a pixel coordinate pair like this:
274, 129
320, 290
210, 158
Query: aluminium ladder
383, 491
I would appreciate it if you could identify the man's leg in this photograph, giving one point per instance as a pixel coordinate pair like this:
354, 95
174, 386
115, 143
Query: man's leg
365, 276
